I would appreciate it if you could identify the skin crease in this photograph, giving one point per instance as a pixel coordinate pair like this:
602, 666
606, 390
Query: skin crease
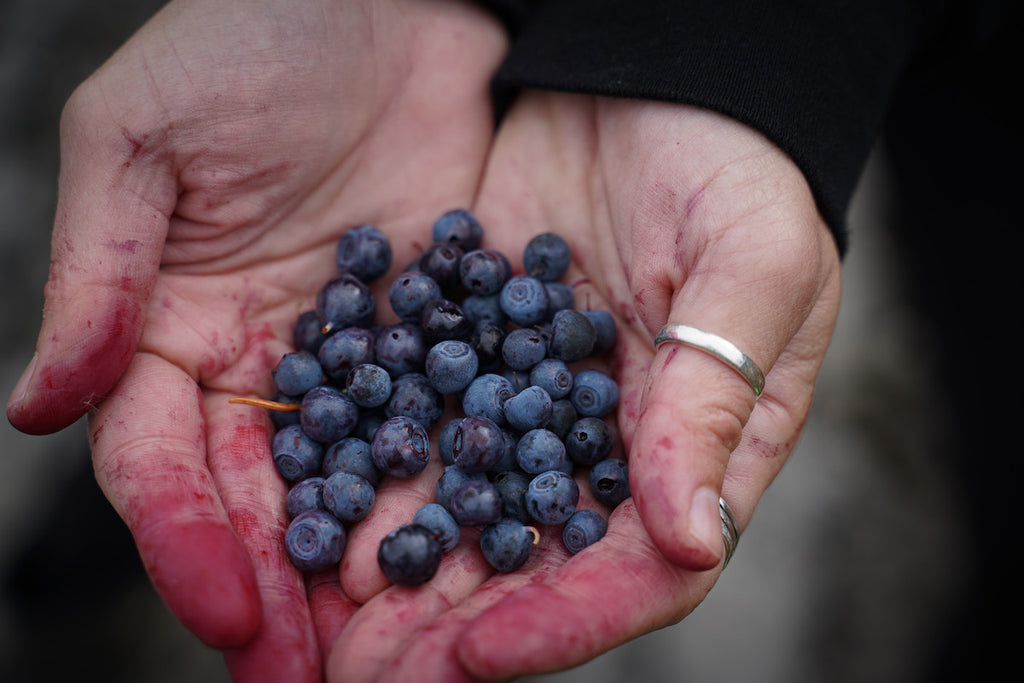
234, 161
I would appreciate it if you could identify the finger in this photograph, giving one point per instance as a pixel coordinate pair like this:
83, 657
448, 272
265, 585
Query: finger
330, 607
149, 453
115, 196
285, 646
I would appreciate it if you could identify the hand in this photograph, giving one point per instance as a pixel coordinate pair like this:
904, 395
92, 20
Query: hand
207, 171
674, 214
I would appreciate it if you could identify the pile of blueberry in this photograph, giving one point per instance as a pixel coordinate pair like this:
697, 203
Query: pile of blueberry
357, 401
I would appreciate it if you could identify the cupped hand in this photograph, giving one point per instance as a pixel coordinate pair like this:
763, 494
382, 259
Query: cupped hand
208, 169
674, 214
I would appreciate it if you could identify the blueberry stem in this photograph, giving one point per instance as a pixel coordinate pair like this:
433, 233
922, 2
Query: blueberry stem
536, 534
264, 403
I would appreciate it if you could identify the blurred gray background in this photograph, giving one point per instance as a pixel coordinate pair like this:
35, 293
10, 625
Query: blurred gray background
867, 560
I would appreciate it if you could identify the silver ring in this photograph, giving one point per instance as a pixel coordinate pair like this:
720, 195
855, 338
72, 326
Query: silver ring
730, 532
720, 348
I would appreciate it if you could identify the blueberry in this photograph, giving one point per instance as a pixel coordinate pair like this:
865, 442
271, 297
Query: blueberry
583, 528
348, 496
441, 262
307, 332
506, 544
478, 444
345, 301
563, 416
412, 395
368, 385
475, 503
523, 348
594, 393
512, 485
450, 481
572, 336
546, 257
609, 481
315, 541
352, 455
440, 522
483, 272
345, 349
307, 494
443, 319
484, 309
410, 292
560, 296
486, 396
297, 372
327, 414
400, 348
605, 330
524, 300
487, 341
451, 365
409, 555
296, 455
400, 447
540, 450
458, 227
552, 497
363, 251
589, 441
553, 376
446, 440
528, 409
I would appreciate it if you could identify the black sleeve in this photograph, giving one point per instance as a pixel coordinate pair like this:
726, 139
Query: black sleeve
815, 76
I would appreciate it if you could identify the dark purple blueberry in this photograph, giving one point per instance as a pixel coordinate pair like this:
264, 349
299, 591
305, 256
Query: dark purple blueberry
524, 300
440, 522
297, 372
594, 393
307, 332
478, 444
443, 319
441, 262
306, 495
506, 544
553, 376
446, 440
560, 297
563, 416
327, 414
589, 441
410, 292
412, 395
475, 503
523, 348
583, 528
296, 455
572, 336
400, 447
528, 409
368, 385
451, 365
484, 309
344, 350
540, 450
552, 497
351, 454
401, 348
546, 257
486, 396
345, 301
609, 481
348, 496
458, 227
315, 541
605, 331
512, 485
450, 481
487, 340
484, 271
363, 251
409, 555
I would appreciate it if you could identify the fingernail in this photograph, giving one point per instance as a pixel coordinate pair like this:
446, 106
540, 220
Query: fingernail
706, 522
21, 388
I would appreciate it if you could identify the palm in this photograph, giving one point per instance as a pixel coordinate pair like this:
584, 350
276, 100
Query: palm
673, 214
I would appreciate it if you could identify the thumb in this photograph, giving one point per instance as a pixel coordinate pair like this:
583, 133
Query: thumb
115, 194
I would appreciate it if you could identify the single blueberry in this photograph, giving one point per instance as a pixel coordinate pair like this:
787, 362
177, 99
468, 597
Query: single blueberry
315, 541
540, 450
553, 376
345, 301
478, 444
412, 395
605, 330
512, 485
307, 332
443, 319
528, 409
363, 251
351, 454
486, 396
483, 272
594, 393
409, 555
296, 455
297, 372
347, 496
400, 447
327, 414
547, 257
305, 495
487, 340
583, 528
523, 348
524, 300
400, 348
451, 365
344, 350
572, 336
552, 497
589, 441
450, 481
410, 292
368, 385
458, 227
441, 262
438, 520
506, 544
475, 503
561, 296
609, 481
484, 309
